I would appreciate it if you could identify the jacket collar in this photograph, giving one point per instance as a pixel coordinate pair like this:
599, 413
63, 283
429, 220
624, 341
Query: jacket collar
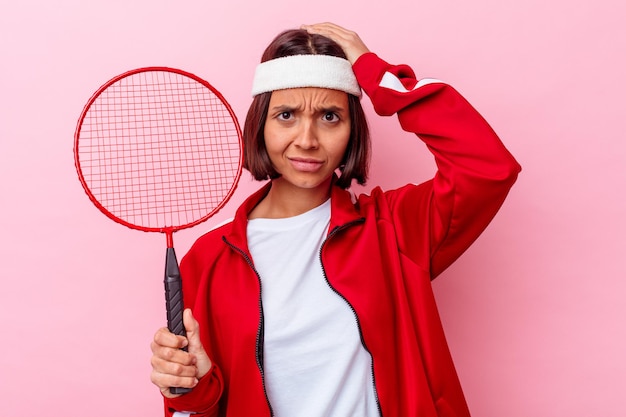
342, 211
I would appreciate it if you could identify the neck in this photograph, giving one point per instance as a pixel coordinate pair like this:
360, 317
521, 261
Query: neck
284, 200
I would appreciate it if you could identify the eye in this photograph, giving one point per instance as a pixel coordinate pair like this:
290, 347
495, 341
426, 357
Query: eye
286, 115
330, 117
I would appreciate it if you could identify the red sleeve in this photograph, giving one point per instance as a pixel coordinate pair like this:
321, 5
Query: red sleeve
202, 400
474, 169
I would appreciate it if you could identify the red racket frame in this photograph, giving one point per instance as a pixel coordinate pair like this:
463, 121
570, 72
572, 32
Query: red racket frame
168, 230
172, 279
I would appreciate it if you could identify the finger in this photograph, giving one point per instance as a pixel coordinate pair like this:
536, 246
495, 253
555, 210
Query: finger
168, 367
349, 41
192, 328
165, 381
168, 347
331, 30
163, 337
203, 362
329, 26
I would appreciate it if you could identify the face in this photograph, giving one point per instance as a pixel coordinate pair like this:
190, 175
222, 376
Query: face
306, 134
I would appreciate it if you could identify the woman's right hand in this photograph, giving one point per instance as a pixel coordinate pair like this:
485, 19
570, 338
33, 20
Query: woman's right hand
172, 366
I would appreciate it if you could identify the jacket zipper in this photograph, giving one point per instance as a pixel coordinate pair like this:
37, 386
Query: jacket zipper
333, 232
259, 334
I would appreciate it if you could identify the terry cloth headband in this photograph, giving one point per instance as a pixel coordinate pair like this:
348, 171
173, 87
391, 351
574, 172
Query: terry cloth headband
305, 71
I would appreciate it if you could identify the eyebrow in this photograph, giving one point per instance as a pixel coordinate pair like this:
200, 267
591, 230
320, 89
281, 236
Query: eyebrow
333, 109
281, 108
322, 109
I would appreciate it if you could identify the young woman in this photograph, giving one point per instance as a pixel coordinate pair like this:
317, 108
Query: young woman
314, 302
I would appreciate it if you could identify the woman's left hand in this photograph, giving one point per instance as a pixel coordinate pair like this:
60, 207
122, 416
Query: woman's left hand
349, 41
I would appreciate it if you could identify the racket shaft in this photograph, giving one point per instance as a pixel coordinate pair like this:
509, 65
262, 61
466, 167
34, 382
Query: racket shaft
174, 302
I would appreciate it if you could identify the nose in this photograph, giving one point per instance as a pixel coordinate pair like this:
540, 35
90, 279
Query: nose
307, 136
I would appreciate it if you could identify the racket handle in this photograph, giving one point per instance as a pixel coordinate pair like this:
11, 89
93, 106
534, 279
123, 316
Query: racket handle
174, 302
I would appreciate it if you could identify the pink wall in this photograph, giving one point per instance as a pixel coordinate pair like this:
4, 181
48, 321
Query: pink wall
533, 310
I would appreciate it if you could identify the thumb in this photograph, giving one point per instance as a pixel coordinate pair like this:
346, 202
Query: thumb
195, 346
192, 327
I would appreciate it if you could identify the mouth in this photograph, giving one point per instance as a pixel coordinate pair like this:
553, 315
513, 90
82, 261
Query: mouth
305, 164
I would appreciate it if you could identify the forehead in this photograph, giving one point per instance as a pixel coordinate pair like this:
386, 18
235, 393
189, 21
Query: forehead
309, 95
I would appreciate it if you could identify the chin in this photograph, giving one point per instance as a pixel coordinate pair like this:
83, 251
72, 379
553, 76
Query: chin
307, 183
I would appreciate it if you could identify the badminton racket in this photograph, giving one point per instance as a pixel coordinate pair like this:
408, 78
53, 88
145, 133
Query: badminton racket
159, 150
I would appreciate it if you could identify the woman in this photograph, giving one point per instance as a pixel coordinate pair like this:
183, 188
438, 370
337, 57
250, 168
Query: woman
312, 301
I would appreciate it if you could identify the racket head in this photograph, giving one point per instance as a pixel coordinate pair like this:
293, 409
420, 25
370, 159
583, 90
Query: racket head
158, 149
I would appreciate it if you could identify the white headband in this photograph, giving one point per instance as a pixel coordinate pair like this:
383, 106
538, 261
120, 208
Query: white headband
305, 71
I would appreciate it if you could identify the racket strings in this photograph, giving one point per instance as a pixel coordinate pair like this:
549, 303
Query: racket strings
159, 149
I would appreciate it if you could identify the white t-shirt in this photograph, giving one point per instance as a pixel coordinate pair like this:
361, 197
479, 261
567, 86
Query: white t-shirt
314, 361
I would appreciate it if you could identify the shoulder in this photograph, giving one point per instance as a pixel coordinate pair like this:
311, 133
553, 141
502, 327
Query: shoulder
209, 245
406, 194
213, 236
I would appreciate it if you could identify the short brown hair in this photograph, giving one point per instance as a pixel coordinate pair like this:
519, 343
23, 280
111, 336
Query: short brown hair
355, 164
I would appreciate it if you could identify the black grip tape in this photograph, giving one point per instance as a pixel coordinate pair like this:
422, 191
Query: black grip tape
174, 302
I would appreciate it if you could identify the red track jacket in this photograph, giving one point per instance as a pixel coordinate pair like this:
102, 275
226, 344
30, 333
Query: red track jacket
380, 255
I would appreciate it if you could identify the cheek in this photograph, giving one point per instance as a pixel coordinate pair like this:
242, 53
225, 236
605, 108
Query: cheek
275, 147
340, 145
272, 141
339, 151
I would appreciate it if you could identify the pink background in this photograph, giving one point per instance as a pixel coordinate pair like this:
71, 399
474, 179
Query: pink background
534, 310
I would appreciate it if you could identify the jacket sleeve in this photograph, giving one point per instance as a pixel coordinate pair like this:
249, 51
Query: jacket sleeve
202, 401
474, 169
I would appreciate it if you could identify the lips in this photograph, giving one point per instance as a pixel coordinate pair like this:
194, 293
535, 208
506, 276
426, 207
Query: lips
305, 164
